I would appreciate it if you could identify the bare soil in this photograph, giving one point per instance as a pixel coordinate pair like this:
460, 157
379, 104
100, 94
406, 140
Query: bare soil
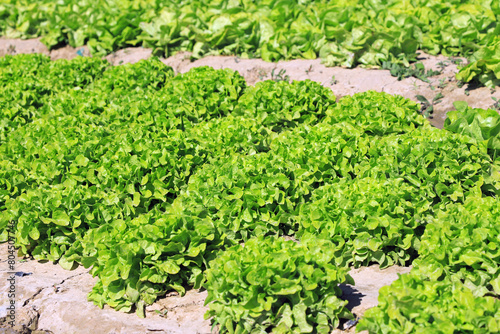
53, 300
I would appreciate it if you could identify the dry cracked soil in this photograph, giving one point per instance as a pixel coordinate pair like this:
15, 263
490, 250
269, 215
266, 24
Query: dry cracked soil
53, 300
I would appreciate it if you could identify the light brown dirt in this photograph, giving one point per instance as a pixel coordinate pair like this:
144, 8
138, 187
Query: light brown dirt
19, 46
52, 300
129, 55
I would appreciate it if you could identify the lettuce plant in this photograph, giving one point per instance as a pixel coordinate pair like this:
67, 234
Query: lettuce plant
140, 259
377, 113
483, 66
375, 220
416, 304
445, 166
482, 125
269, 284
281, 105
461, 243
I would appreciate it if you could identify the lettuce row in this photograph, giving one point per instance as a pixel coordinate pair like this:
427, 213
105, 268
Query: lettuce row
258, 194
345, 33
445, 166
270, 283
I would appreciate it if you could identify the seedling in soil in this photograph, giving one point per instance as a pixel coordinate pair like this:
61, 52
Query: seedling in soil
437, 99
442, 64
442, 84
496, 105
333, 81
456, 61
162, 314
262, 74
415, 86
280, 76
427, 107
417, 70
11, 50
309, 70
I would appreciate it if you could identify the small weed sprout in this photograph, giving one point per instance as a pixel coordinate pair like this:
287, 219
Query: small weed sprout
442, 84
427, 107
262, 74
456, 61
162, 314
281, 76
496, 104
438, 98
417, 71
442, 65
415, 86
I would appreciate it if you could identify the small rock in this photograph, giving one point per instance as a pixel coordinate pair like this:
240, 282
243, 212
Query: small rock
350, 323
